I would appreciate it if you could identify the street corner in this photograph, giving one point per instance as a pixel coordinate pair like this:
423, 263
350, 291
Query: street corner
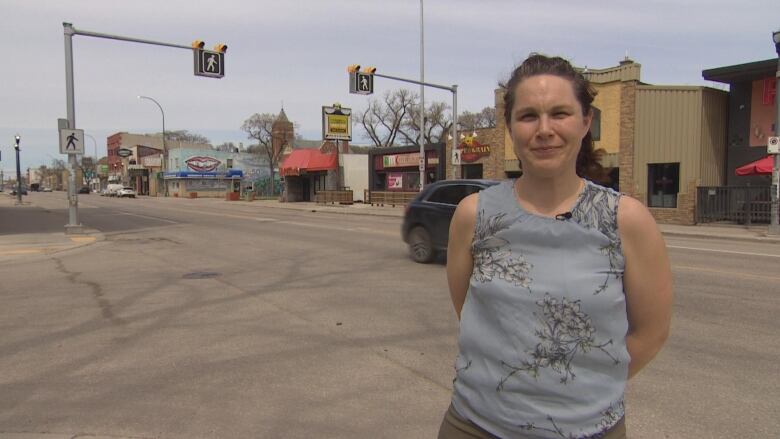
25, 246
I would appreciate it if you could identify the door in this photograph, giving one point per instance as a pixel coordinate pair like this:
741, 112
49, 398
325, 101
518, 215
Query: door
306, 189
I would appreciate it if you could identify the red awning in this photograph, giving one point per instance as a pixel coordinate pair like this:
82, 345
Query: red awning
307, 160
759, 167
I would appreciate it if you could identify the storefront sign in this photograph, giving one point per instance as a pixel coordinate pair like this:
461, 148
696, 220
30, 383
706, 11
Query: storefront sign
336, 123
152, 161
472, 150
395, 181
202, 164
406, 160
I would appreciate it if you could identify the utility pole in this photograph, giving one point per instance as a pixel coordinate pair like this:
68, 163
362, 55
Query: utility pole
18, 173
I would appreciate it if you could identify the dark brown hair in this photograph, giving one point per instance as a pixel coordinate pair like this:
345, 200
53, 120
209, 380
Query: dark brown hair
588, 159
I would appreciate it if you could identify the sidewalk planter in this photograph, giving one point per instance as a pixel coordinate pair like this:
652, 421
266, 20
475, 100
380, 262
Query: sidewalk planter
193, 195
233, 196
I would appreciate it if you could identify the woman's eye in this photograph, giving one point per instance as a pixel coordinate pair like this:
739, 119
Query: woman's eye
526, 117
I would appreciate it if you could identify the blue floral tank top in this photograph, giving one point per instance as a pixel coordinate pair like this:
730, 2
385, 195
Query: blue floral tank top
542, 331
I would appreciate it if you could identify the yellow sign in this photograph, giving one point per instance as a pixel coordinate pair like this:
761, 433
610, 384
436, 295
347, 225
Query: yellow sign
336, 123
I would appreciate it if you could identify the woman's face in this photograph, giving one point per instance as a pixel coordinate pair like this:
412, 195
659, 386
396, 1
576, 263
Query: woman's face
547, 125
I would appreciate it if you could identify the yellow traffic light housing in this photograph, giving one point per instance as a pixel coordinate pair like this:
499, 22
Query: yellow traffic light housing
353, 68
198, 44
221, 47
369, 70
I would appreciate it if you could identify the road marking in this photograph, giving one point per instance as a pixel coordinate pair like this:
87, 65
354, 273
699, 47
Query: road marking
722, 251
82, 238
725, 273
148, 217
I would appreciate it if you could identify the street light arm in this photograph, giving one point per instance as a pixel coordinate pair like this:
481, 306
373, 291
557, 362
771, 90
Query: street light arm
161, 112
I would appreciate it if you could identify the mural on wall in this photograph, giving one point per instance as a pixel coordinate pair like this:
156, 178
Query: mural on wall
472, 150
202, 163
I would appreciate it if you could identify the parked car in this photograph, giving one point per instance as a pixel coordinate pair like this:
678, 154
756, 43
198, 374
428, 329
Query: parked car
84, 190
126, 192
45, 189
427, 218
112, 189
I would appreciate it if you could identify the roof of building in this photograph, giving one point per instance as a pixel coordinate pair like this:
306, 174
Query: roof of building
742, 72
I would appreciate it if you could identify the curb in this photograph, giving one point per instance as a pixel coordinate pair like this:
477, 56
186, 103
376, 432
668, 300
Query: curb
766, 240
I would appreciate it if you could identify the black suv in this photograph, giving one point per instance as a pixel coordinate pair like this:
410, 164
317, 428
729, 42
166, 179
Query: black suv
427, 219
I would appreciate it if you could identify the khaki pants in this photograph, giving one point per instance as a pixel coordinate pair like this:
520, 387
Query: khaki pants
454, 426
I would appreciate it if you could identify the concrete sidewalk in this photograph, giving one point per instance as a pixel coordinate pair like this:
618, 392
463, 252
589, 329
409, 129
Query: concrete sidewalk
26, 231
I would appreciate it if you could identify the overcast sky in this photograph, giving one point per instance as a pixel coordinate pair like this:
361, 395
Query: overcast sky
295, 52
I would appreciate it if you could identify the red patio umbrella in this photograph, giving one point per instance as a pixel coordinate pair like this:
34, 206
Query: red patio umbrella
759, 167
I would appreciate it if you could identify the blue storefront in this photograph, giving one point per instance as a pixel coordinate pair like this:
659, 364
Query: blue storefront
217, 184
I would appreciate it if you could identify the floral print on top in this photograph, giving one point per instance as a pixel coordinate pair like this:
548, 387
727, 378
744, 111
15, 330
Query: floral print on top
542, 341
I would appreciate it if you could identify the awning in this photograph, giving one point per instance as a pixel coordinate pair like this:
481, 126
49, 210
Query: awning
308, 160
759, 167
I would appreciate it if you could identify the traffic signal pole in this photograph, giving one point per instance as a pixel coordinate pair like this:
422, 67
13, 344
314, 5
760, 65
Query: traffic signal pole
73, 225
454, 91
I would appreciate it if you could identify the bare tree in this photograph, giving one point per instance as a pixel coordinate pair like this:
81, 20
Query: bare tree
259, 127
395, 119
184, 136
226, 147
484, 119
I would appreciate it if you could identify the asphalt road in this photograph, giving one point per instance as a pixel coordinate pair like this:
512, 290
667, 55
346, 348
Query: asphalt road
201, 318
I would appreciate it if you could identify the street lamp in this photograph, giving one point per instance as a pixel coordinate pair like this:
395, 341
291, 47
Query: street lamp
774, 226
18, 172
163, 118
95, 163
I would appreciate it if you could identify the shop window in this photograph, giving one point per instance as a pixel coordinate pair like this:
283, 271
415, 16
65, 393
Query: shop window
663, 184
229, 163
473, 171
379, 181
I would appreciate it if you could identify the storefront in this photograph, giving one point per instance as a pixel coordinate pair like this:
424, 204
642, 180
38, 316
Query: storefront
188, 184
308, 171
397, 168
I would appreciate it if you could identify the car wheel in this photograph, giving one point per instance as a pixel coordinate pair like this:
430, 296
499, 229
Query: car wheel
420, 246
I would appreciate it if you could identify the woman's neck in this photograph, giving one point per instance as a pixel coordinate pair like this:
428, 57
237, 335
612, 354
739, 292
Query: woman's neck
548, 196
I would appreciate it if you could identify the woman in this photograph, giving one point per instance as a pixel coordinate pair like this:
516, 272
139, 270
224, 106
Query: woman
562, 286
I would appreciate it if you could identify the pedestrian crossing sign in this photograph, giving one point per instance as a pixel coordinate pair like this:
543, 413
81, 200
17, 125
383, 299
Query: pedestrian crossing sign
71, 141
209, 63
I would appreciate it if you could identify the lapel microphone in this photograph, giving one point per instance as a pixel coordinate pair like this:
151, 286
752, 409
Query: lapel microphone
563, 216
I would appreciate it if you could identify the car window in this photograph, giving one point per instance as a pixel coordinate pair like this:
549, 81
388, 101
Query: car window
453, 194
450, 194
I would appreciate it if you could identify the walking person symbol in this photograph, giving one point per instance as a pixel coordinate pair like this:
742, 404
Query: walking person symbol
212, 63
71, 142
363, 83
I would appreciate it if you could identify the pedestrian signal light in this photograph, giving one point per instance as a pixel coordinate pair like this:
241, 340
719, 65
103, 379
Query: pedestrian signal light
369, 70
353, 68
221, 47
198, 44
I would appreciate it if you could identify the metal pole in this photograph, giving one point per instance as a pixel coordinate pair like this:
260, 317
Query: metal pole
73, 225
422, 99
454, 130
18, 173
774, 225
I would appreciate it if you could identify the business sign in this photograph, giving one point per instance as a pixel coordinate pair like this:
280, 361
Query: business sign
124, 152
336, 123
152, 161
103, 169
395, 180
406, 160
773, 145
202, 164
471, 150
